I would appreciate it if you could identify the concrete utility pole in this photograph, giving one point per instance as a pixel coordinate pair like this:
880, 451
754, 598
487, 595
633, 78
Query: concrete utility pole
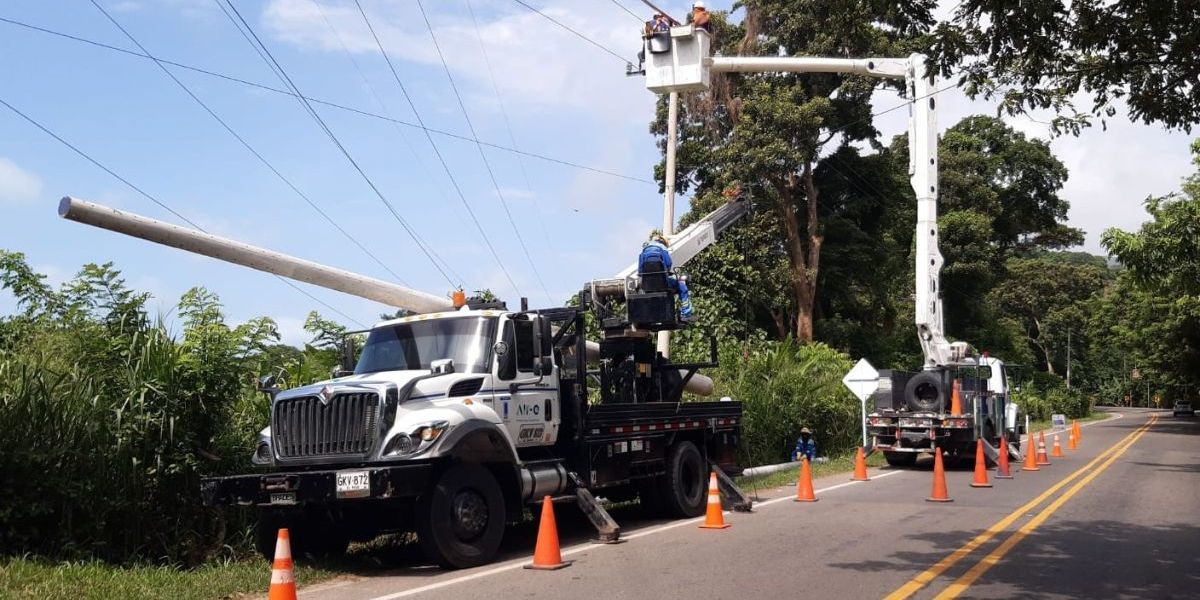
1068, 359
668, 227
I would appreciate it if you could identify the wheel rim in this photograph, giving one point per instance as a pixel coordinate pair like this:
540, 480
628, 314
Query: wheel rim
469, 515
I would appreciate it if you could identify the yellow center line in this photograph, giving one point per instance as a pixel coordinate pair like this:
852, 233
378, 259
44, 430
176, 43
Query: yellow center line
961, 584
924, 578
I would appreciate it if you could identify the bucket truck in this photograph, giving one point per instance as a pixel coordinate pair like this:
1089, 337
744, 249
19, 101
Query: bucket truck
913, 412
452, 420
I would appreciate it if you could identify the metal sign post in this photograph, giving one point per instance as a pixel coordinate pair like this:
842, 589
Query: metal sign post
862, 381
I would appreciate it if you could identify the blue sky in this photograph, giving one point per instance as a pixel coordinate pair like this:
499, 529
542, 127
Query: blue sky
564, 98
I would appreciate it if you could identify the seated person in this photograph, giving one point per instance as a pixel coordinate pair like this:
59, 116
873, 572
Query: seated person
656, 250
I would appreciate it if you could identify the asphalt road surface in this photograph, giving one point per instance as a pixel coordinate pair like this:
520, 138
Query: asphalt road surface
1116, 518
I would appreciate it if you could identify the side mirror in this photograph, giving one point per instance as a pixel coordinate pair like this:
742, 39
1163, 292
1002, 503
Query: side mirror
544, 367
266, 385
442, 366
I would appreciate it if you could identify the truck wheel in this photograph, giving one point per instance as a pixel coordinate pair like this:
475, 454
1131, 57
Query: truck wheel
925, 392
460, 522
900, 459
685, 485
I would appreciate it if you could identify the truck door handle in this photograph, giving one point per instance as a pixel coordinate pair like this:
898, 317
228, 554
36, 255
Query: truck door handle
549, 410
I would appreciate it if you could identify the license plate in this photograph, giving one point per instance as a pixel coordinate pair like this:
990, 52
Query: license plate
283, 498
353, 484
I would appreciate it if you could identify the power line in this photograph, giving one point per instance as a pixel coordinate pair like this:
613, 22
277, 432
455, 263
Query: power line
507, 122
626, 9
441, 159
329, 132
579, 35
156, 201
328, 103
250, 148
483, 155
382, 107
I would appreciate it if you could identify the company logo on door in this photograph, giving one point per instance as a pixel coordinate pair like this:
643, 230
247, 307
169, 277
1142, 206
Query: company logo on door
527, 412
528, 434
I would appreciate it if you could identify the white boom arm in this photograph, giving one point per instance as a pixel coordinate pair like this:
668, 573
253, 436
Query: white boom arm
682, 63
686, 244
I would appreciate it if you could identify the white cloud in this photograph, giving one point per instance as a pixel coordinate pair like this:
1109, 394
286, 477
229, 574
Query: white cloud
17, 184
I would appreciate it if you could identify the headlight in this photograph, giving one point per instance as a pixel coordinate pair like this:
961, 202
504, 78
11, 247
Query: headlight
416, 442
262, 454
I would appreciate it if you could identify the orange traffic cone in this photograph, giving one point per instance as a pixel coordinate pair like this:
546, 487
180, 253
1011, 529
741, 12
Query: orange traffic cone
939, 479
1002, 467
804, 487
1078, 431
981, 478
860, 467
283, 580
1056, 452
714, 518
1072, 444
1030, 455
955, 400
546, 554
1042, 458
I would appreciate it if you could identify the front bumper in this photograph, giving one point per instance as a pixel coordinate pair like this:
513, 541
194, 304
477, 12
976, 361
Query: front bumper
290, 488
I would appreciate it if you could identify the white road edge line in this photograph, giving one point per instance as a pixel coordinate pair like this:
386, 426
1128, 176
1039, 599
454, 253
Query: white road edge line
518, 563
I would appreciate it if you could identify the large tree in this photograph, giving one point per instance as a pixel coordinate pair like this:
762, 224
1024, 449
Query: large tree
1042, 54
769, 130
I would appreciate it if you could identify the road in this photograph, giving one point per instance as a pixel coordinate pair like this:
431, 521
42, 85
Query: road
1115, 519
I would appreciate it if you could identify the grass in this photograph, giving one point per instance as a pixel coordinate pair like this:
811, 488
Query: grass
1045, 424
22, 578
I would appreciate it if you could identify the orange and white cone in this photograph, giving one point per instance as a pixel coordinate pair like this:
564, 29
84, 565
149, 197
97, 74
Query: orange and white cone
1030, 455
981, 478
860, 467
1056, 452
939, 479
546, 554
804, 486
1002, 466
283, 578
956, 399
714, 517
1042, 458
1078, 431
1072, 443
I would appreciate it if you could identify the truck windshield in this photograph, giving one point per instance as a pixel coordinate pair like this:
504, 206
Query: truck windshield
414, 346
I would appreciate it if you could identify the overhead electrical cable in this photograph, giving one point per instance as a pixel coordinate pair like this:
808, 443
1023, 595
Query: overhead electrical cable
330, 104
483, 155
626, 9
512, 138
441, 159
577, 34
425, 249
251, 149
158, 202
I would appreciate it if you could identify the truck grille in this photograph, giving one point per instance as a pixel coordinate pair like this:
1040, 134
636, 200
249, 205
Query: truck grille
305, 427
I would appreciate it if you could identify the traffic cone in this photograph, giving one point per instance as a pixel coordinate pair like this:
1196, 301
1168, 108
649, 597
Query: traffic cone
1078, 431
1002, 467
714, 518
804, 488
1042, 458
860, 467
939, 479
1056, 452
283, 580
955, 400
546, 554
981, 478
1030, 455
1072, 444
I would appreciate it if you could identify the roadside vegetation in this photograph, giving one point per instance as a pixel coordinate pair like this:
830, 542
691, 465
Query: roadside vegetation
110, 415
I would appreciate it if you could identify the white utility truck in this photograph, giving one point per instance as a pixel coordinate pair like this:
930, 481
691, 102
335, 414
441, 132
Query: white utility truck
912, 412
452, 420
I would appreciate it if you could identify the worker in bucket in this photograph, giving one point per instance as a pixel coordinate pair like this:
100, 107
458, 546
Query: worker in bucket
699, 16
806, 446
655, 250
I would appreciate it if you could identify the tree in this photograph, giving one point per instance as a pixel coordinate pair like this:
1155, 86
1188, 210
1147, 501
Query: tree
770, 130
1040, 54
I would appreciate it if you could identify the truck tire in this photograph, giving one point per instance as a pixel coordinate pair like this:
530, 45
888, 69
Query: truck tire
460, 522
900, 459
310, 536
925, 393
684, 486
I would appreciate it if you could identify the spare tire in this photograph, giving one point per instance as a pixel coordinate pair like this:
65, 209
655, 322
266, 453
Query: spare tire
925, 392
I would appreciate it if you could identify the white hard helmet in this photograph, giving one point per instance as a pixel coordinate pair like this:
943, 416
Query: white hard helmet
698, 4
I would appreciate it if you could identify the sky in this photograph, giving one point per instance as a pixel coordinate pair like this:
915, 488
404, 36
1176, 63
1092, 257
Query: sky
526, 84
